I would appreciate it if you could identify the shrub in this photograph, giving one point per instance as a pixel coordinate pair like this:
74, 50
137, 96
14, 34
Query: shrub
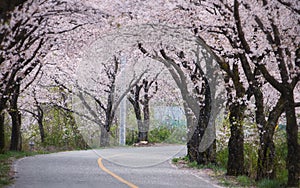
266, 183
159, 134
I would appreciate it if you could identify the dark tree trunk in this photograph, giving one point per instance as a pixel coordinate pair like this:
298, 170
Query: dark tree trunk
196, 137
266, 156
42, 131
143, 124
266, 152
40, 118
109, 115
144, 132
139, 120
15, 143
209, 155
135, 101
104, 137
293, 159
193, 137
2, 135
235, 165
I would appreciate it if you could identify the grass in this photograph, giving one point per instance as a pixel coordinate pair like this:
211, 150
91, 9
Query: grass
6, 161
269, 184
245, 181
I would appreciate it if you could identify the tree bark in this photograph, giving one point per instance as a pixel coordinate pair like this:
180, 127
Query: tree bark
135, 101
266, 156
235, 165
293, 159
104, 137
146, 124
209, 155
15, 143
40, 117
193, 137
266, 152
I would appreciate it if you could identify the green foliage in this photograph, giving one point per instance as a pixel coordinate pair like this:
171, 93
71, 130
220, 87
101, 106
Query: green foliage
250, 155
159, 134
61, 131
280, 158
222, 158
193, 164
131, 136
265, 183
250, 158
184, 159
225, 182
165, 134
175, 160
245, 181
7, 132
178, 135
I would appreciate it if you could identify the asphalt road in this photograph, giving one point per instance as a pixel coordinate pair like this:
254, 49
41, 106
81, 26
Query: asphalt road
143, 167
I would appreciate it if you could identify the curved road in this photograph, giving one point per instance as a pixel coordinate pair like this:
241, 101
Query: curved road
143, 167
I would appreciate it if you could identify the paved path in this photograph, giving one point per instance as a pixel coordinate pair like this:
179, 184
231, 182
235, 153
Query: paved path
143, 167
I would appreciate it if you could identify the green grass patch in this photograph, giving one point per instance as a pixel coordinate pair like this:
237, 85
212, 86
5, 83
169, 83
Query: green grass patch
266, 183
6, 161
184, 159
245, 181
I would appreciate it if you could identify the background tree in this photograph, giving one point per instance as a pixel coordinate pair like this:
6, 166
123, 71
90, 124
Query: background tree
197, 103
134, 98
99, 98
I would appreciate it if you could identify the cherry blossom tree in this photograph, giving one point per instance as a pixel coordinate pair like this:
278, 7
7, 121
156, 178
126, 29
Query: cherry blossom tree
254, 42
28, 32
143, 89
252, 34
197, 96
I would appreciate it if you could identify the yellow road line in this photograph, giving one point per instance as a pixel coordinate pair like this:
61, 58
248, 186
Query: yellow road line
114, 175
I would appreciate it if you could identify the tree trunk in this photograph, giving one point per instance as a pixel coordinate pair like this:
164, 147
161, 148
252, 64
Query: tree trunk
146, 123
40, 118
143, 125
138, 115
293, 158
235, 165
195, 133
266, 152
209, 154
15, 142
193, 140
42, 131
104, 137
266, 156
2, 135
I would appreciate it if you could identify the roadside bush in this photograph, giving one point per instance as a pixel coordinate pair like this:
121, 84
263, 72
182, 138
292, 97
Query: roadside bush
222, 158
159, 134
250, 157
265, 183
178, 136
